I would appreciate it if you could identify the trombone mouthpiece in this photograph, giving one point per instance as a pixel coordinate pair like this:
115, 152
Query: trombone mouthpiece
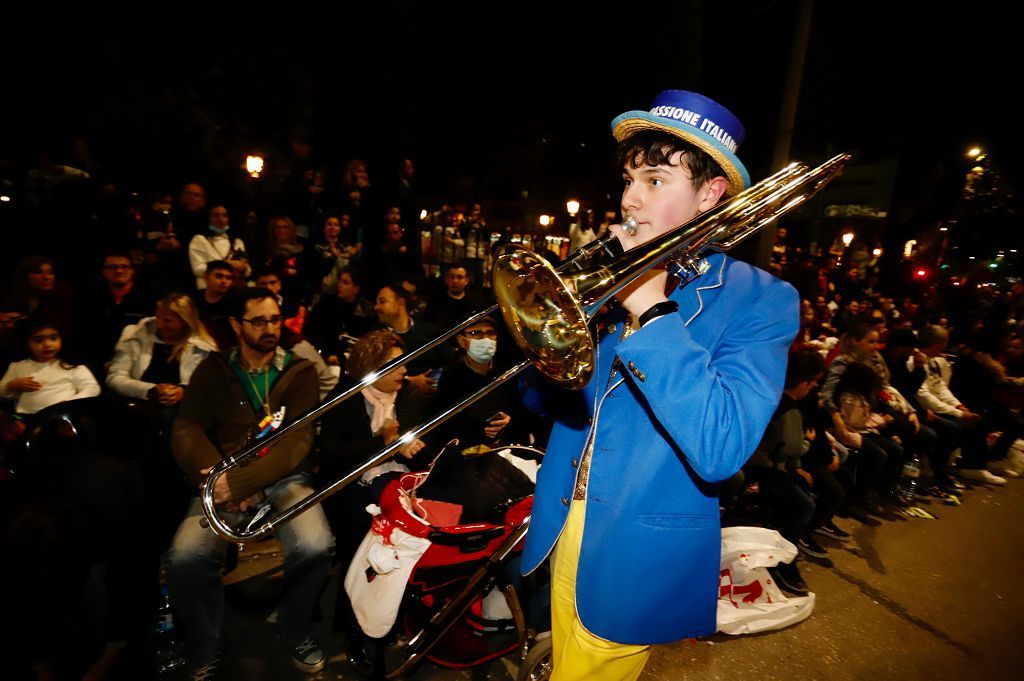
631, 226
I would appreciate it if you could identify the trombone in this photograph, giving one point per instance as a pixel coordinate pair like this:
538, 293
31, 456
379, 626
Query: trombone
547, 311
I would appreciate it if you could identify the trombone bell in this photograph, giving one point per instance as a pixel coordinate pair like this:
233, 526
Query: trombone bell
543, 316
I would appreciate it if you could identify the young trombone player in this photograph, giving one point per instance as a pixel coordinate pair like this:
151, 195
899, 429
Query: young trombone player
686, 379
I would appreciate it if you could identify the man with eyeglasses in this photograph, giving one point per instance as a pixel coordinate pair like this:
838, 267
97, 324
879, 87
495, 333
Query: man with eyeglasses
488, 421
255, 388
472, 474
118, 302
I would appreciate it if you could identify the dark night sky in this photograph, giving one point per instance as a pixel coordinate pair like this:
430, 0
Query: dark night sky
494, 99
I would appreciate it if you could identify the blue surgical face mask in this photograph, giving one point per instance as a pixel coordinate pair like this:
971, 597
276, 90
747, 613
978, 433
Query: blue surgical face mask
482, 349
218, 230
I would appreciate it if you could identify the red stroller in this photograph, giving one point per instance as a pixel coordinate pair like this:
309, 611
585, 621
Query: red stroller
442, 590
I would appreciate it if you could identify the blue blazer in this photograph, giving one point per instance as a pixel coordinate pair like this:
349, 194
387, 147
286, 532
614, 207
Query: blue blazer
696, 391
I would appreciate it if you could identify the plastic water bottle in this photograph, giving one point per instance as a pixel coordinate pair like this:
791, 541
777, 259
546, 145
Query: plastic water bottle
168, 649
908, 481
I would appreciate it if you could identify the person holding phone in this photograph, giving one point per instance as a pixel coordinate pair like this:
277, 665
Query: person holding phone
493, 420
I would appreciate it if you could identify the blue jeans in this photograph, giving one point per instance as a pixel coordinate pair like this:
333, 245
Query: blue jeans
194, 560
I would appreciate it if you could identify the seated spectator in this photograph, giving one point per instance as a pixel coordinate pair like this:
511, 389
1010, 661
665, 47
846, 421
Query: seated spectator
340, 247
935, 395
902, 345
292, 338
394, 258
286, 256
296, 343
216, 245
856, 394
1012, 357
458, 301
292, 309
190, 215
981, 381
358, 197
419, 298
165, 260
230, 395
471, 474
392, 312
497, 417
155, 358
824, 316
857, 345
358, 428
904, 426
105, 312
38, 292
44, 379
783, 482
340, 317
215, 302
813, 334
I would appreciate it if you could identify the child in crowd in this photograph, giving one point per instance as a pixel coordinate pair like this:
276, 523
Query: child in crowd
44, 379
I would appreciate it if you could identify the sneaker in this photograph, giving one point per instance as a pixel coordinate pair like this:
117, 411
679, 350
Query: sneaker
981, 475
1002, 468
308, 656
951, 485
811, 547
830, 530
207, 672
787, 577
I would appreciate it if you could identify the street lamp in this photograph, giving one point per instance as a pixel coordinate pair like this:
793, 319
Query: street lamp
254, 165
847, 239
545, 220
572, 206
973, 152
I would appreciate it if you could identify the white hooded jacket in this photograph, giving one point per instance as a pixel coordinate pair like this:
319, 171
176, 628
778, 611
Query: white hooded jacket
134, 352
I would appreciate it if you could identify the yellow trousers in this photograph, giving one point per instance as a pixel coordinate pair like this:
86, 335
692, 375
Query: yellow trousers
578, 654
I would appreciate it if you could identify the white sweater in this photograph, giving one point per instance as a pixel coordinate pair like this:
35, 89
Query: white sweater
934, 393
205, 248
59, 384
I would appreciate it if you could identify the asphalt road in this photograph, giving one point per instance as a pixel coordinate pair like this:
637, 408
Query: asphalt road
906, 599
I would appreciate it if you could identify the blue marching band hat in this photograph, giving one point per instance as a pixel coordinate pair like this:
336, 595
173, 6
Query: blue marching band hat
702, 122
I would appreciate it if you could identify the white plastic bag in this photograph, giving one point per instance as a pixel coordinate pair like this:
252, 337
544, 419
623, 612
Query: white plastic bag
748, 599
378, 574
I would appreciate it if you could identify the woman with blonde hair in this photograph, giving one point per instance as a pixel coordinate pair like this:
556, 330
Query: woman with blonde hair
155, 358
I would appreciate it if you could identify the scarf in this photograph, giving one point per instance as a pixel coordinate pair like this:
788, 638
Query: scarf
379, 405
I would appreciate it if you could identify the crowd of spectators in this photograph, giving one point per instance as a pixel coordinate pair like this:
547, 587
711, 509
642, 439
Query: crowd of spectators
883, 388
200, 319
